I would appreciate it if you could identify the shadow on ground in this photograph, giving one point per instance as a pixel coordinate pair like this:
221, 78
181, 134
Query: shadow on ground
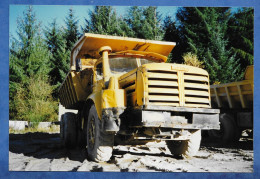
45, 145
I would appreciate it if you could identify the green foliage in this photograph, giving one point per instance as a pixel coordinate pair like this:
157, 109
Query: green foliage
140, 22
103, 20
203, 33
241, 33
60, 56
145, 22
171, 34
34, 102
29, 58
71, 30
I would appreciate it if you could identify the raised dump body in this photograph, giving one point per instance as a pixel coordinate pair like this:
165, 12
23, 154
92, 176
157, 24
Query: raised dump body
77, 85
124, 91
235, 100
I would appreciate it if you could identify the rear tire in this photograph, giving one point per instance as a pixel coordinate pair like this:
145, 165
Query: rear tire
99, 143
187, 148
69, 130
228, 132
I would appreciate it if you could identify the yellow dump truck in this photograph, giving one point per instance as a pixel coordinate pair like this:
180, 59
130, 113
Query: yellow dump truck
124, 91
235, 101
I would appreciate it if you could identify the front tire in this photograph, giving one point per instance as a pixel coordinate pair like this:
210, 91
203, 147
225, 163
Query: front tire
99, 142
187, 148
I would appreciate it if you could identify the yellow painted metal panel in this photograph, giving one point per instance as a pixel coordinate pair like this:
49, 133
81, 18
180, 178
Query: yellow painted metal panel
249, 74
198, 105
163, 90
113, 98
165, 104
162, 83
181, 87
230, 103
172, 67
126, 75
151, 55
162, 75
240, 97
195, 78
198, 86
196, 93
132, 87
69, 84
164, 98
91, 43
126, 81
194, 99
141, 88
96, 98
68, 93
72, 90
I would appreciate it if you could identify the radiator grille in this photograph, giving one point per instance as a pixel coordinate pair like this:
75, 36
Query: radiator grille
164, 88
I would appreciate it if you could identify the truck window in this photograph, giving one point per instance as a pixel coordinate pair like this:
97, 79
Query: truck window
145, 61
122, 64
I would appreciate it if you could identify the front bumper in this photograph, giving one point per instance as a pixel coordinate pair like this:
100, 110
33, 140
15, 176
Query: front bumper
174, 117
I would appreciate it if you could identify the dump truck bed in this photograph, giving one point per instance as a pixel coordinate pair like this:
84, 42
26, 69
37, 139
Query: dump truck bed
235, 95
77, 85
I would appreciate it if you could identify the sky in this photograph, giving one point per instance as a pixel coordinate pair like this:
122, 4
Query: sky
46, 13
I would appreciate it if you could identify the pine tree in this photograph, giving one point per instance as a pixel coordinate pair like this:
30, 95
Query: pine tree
152, 25
71, 34
145, 22
171, 34
29, 59
104, 20
203, 30
134, 20
241, 33
60, 56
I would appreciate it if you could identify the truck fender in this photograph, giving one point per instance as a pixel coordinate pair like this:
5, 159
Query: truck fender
95, 99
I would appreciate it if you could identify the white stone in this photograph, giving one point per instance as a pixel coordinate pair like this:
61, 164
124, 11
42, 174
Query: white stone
18, 125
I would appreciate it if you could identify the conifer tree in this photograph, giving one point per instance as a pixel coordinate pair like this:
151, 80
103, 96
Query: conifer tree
104, 20
241, 33
71, 34
171, 34
145, 22
29, 59
152, 25
203, 30
60, 56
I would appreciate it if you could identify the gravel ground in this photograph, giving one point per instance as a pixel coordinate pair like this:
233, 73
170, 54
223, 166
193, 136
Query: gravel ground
44, 152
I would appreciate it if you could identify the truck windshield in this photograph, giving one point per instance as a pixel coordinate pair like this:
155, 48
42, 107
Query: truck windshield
125, 64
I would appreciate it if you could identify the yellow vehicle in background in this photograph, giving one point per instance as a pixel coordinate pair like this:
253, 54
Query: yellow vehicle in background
124, 91
235, 101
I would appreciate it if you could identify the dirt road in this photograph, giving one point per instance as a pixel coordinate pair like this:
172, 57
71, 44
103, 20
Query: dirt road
44, 152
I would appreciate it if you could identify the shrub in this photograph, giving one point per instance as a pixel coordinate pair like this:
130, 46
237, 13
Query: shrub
34, 102
192, 60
